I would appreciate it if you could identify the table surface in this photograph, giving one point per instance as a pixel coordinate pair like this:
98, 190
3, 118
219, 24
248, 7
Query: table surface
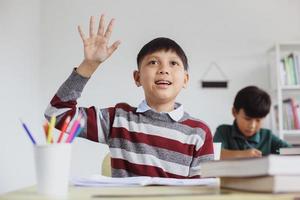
149, 192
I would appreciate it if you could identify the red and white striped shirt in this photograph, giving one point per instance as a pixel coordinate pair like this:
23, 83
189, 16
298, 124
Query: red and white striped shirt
144, 143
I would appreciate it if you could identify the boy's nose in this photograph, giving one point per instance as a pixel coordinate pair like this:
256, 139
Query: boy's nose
252, 124
163, 69
163, 72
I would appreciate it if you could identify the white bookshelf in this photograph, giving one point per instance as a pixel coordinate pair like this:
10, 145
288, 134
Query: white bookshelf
280, 91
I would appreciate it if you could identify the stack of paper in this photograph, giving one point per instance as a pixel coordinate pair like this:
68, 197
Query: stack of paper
102, 181
272, 173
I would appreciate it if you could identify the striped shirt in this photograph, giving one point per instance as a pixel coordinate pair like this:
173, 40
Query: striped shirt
143, 143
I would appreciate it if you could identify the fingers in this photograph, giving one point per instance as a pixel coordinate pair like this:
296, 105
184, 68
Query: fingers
81, 33
101, 26
101, 33
259, 153
92, 20
109, 29
256, 153
113, 47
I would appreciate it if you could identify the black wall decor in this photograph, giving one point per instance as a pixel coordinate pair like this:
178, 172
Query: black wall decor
214, 83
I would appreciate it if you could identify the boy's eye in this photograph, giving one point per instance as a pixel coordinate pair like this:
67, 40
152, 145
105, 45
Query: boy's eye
248, 119
152, 62
174, 63
258, 120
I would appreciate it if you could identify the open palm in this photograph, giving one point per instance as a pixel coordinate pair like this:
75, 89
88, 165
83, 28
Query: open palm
96, 47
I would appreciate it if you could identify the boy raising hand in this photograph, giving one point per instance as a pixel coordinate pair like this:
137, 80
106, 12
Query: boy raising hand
157, 138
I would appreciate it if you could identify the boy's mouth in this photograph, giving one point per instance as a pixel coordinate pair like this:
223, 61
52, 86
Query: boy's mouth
163, 82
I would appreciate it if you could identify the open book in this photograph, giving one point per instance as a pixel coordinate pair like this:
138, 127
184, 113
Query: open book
102, 181
273, 184
268, 165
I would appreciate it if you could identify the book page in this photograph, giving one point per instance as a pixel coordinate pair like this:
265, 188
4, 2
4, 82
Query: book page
104, 181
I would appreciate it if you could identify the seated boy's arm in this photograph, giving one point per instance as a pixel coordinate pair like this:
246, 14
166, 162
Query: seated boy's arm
228, 154
278, 143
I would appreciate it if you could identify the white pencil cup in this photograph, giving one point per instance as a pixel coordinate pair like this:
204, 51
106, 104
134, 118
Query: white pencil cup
52, 166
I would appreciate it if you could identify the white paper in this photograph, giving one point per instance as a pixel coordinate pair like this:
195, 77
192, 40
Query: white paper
104, 181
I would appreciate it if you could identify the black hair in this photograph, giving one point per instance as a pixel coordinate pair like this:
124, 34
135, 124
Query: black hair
255, 102
162, 43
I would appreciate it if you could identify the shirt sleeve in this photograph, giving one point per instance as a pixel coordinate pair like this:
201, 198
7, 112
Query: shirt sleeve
220, 136
64, 103
278, 143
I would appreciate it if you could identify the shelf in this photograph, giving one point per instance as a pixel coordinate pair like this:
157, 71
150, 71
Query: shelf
291, 132
286, 46
279, 92
291, 87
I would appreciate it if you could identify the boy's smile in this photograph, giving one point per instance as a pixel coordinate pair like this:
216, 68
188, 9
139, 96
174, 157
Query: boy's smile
162, 76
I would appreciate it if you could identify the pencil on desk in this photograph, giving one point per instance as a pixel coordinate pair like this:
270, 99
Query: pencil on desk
50, 128
64, 128
28, 132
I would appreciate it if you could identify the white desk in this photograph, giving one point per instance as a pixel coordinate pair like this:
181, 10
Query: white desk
149, 193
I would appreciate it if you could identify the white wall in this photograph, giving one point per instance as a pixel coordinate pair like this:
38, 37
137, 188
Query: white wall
20, 95
233, 33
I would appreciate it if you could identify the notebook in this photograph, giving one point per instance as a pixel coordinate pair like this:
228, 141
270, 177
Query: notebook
290, 151
274, 184
245, 167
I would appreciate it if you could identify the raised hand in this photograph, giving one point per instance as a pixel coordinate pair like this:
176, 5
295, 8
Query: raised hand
96, 46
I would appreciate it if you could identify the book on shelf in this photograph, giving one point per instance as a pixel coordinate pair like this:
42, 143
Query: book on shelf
290, 114
274, 184
290, 151
290, 69
246, 167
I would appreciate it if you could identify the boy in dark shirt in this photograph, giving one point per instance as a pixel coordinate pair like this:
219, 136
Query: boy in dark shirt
246, 138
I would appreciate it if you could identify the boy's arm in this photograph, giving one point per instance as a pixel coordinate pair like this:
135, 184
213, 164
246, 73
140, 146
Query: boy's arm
204, 153
228, 154
221, 135
278, 143
64, 103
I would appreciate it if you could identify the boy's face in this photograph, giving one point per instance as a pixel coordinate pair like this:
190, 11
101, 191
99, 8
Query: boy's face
247, 125
162, 76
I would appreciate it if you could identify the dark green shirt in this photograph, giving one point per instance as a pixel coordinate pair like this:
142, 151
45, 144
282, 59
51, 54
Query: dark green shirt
232, 139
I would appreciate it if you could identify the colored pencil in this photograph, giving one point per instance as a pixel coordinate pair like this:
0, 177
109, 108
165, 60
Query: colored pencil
28, 133
50, 128
64, 128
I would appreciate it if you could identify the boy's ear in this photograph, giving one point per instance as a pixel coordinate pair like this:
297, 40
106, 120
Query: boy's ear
136, 77
186, 80
234, 112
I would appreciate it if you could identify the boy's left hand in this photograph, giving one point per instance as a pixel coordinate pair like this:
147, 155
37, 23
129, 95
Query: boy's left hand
96, 45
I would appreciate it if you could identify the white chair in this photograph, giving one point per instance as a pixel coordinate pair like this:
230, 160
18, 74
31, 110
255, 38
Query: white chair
106, 166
